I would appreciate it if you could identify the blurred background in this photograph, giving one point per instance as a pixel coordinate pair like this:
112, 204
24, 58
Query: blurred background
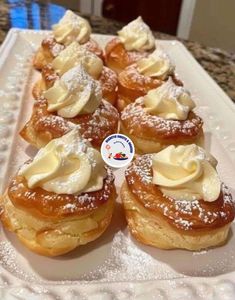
210, 22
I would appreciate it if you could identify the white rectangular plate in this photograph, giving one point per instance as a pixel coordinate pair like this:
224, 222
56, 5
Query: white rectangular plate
115, 266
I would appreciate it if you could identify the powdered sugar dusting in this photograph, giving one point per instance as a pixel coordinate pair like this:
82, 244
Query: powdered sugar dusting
57, 121
49, 43
8, 259
124, 255
56, 49
142, 169
77, 78
102, 122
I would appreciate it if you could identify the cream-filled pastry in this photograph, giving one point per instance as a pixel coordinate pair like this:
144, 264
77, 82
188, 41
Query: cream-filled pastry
137, 36
61, 199
74, 99
161, 118
175, 199
156, 65
146, 74
169, 101
74, 93
134, 41
71, 28
70, 57
186, 173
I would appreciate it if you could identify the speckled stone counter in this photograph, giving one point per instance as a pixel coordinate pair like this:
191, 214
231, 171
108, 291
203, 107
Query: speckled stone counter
218, 63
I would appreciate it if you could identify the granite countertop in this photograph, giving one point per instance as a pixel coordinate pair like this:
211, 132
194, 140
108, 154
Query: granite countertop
218, 63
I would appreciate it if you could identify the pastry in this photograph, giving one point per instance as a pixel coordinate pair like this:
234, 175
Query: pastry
68, 58
61, 199
134, 41
74, 99
146, 74
161, 118
69, 29
174, 199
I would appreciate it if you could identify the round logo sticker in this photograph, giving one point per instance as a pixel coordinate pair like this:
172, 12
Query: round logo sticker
117, 150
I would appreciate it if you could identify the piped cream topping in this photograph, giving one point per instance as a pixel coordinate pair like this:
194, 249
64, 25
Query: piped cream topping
186, 173
156, 65
75, 54
74, 93
72, 28
66, 165
169, 101
137, 36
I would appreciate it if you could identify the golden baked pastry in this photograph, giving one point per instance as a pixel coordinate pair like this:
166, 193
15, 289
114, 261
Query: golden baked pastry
175, 220
161, 118
68, 58
147, 74
53, 213
135, 41
75, 99
69, 29
44, 126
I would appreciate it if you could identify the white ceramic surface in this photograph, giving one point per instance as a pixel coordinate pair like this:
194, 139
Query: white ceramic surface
115, 266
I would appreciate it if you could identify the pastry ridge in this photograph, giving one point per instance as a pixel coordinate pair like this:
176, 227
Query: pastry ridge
44, 126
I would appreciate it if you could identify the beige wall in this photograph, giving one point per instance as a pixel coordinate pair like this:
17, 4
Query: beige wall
213, 23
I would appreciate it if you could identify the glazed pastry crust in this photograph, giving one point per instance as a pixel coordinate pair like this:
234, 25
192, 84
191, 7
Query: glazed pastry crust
94, 47
109, 83
118, 58
41, 58
50, 49
146, 129
50, 238
132, 85
53, 238
167, 223
107, 79
43, 126
51, 224
51, 206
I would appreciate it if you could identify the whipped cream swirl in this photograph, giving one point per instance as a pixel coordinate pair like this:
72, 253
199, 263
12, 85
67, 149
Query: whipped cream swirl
156, 65
186, 173
66, 165
71, 28
169, 101
137, 36
75, 54
74, 93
